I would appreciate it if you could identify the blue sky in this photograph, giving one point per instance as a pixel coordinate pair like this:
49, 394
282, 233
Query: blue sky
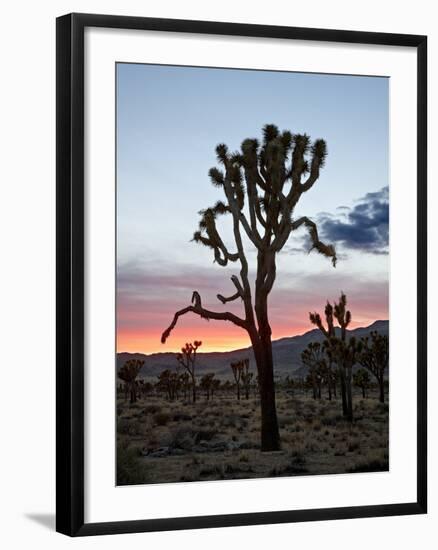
169, 120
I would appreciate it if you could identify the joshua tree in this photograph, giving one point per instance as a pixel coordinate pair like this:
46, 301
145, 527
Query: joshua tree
330, 375
374, 356
246, 377
170, 382
361, 379
187, 359
270, 177
312, 358
338, 349
346, 353
227, 386
206, 384
128, 373
185, 383
215, 386
237, 369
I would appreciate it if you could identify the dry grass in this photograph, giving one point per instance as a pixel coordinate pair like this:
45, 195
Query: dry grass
161, 442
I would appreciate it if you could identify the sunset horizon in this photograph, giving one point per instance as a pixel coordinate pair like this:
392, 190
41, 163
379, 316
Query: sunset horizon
233, 343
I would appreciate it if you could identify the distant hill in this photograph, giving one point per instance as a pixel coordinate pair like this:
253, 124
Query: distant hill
286, 351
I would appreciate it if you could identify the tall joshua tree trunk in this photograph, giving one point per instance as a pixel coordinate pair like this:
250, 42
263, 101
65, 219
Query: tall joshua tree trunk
270, 435
271, 177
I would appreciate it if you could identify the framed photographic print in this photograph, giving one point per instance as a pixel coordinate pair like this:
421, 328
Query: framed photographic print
241, 274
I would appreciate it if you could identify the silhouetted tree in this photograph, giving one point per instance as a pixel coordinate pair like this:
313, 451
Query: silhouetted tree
237, 368
187, 359
374, 356
185, 383
338, 349
361, 379
271, 177
128, 373
311, 358
246, 377
169, 382
330, 376
206, 384
215, 386
227, 386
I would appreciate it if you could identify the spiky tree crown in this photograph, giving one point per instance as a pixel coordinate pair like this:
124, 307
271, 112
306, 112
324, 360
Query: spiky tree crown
374, 352
130, 370
263, 173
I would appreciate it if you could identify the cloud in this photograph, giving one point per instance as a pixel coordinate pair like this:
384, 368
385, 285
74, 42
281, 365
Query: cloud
364, 227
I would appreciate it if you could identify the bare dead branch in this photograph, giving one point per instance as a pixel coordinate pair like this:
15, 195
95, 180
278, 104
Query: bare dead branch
225, 299
204, 313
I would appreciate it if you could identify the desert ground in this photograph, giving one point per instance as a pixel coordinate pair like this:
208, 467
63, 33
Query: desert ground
161, 441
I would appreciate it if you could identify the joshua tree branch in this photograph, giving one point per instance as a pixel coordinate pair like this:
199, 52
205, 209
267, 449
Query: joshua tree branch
239, 293
326, 250
204, 313
225, 299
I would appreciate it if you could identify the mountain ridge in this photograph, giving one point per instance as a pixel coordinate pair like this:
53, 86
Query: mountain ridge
286, 352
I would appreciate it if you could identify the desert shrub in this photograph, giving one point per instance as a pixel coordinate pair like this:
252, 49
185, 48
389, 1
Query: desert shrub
152, 409
284, 421
230, 469
182, 438
317, 426
130, 470
332, 420
298, 455
204, 435
212, 470
230, 421
250, 444
371, 465
353, 446
161, 419
190, 476
180, 416
287, 469
126, 426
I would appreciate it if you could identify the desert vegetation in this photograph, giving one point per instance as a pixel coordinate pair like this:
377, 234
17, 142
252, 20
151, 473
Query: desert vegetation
162, 440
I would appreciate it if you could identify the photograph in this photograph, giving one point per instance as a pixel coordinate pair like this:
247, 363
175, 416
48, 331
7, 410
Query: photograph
252, 274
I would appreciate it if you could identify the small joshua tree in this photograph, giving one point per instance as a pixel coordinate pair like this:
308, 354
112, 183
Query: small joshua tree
246, 377
311, 358
215, 386
187, 359
340, 351
206, 384
374, 356
169, 382
270, 177
185, 383
237, 368
128, 373
361, 379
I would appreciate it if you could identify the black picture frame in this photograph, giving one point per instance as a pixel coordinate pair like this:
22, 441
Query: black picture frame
70, 273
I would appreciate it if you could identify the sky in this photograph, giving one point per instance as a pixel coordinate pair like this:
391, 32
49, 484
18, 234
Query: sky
169, 121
